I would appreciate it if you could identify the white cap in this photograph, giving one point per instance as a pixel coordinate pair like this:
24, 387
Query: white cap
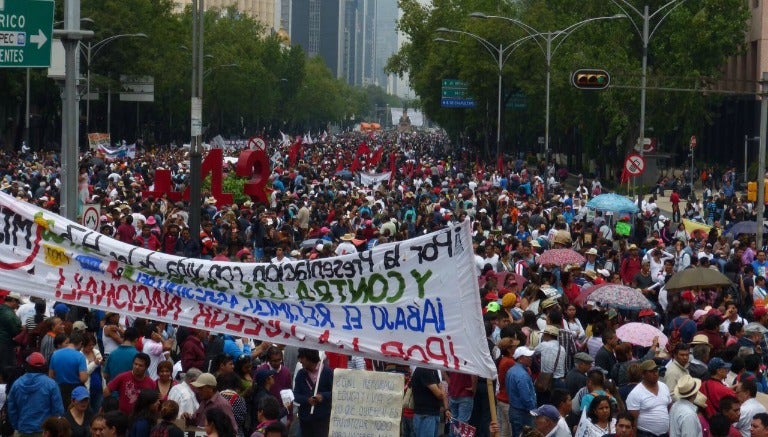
522, 351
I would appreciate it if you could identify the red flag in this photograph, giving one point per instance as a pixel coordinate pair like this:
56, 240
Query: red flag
500, 163
294, 151
462, 429
624, 176
392, 169
355, 165
363, 149
377, 155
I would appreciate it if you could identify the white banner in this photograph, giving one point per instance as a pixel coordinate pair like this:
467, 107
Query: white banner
416, 302
369, 179
119, 152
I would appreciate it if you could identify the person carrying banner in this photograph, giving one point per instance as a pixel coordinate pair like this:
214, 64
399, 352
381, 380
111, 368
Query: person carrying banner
312, 390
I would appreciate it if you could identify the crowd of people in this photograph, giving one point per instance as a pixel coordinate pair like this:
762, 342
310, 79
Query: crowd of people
563, 369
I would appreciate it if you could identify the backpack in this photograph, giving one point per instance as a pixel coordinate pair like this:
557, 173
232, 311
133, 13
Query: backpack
675, 337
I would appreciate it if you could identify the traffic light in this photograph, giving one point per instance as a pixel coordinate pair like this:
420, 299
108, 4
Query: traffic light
591, 79
752, 191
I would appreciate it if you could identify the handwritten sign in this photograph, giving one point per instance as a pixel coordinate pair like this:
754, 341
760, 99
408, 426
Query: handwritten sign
415, 302
366, 403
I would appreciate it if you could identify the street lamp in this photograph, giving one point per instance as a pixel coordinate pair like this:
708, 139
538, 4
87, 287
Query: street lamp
645, 36
500, 54
544, 40
91, 50
210, 70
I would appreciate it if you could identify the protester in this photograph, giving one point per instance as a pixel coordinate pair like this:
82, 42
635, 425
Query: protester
33, 397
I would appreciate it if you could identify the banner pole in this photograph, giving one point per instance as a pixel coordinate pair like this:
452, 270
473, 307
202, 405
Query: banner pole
492, 403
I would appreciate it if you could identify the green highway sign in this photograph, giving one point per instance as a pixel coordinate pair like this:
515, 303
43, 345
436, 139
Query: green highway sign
454, 83
26, 27
458, 92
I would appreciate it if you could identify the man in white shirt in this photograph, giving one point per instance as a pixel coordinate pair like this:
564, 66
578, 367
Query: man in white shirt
746, 392
183, 394
649, 401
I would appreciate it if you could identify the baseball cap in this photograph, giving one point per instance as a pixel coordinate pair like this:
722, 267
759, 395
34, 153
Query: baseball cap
493, 307
61, 308
205, 379
36, 359
262, 375
80, 393
79, 326
548, 411
648, 365
717, 363
522, 351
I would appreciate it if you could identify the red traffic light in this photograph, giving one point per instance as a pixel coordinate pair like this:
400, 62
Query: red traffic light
591, 79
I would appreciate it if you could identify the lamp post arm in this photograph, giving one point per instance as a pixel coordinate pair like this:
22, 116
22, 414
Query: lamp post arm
663, 17
629, 16
490, 48
508, 50
99, 45
532, 32
561, 35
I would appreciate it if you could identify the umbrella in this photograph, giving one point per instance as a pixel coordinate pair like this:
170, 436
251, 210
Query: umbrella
641, 334
345, 174
581, 299
698, 277
312, 242
502, 276
560, 257
621, 297
612, 202
748, 227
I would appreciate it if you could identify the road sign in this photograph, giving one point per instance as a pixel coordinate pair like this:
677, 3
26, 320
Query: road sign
635, 164
448, 102
92, 216
257, 143
454, 83
26, 27
693, 141
648, 146
454, 92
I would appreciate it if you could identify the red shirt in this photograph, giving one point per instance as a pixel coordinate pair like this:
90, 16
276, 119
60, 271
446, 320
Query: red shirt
129, 388
674, 198
505, 364
715, 390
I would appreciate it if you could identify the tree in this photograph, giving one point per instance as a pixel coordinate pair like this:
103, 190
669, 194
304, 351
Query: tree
592, 119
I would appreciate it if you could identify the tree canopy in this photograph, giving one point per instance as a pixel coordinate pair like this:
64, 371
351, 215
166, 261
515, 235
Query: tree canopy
687, 50
253, 81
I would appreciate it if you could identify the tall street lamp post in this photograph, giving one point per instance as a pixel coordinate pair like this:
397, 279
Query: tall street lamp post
500, 55
195, 148
91, 50
645, 34
545, 42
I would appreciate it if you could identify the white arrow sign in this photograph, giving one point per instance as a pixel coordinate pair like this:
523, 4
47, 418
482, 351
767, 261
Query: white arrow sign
38, 39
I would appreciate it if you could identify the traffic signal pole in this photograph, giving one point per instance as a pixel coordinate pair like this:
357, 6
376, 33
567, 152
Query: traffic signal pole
761, 160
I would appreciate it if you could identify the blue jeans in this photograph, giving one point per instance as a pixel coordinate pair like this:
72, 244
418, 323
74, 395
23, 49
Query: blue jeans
425, 426
461, 408
518, 419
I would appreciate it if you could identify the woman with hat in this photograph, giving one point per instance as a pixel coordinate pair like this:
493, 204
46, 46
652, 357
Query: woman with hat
79, 414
